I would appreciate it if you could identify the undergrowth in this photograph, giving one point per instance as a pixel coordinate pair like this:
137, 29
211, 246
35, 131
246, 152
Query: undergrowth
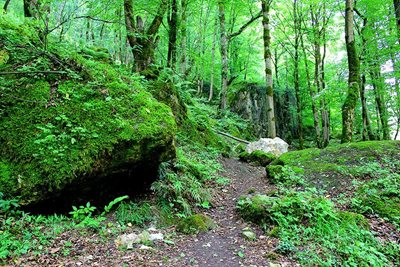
314, 231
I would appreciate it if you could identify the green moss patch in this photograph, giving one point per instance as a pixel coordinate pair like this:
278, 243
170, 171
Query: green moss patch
258, 157
196, 224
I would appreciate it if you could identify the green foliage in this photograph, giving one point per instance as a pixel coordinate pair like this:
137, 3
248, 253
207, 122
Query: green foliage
183, 183
327, 236
134, 213
79, 214
113, 203
195, 224
8, 207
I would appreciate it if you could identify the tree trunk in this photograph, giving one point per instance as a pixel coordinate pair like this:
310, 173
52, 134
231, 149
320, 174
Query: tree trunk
367, 133
224, 56
396, 4
312, 95
266, 4
348, 108
143, 42
5, 7
296, 74
172, 34
378, 83
183, 25
213, 61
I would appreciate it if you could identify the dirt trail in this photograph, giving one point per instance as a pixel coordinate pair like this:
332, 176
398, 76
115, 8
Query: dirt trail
223, 247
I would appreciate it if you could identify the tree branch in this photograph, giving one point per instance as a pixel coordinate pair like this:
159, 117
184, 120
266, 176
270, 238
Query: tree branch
32, 72
244, 27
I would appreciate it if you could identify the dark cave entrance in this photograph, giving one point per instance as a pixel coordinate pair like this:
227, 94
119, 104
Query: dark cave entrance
99, 191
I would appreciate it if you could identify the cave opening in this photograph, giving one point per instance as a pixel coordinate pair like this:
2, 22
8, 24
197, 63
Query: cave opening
99, 191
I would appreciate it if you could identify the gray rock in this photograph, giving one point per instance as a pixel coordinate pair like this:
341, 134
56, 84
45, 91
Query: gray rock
275, 146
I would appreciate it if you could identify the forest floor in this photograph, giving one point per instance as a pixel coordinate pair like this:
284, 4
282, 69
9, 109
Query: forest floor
223, 247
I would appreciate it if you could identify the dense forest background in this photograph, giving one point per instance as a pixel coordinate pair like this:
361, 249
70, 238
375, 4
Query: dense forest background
232, 51
130, 133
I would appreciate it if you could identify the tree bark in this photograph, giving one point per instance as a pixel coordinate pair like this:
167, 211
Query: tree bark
396, 4
271, 127
172, 34
378, 83
183, 26
211, 93
143, 42
5, 7
224, 55
296, 74
348, 108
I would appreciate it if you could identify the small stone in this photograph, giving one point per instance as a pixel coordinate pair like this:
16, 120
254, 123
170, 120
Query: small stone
249, 235
154, 237
271, 264
144, 247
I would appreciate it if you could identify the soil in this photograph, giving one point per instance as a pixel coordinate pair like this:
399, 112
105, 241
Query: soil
223, 247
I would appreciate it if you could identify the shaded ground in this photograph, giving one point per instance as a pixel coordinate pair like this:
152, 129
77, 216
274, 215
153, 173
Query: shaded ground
222, 247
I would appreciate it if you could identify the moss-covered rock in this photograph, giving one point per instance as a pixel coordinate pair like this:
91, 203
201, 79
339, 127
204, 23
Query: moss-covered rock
195, 224
167, 93
258, 157
92, 121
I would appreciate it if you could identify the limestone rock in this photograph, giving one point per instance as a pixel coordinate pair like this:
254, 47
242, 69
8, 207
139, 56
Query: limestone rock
275, 146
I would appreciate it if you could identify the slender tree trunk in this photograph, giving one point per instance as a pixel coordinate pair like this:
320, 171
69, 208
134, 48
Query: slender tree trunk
324, 109
396, 4
224, 56
378, 83
296, 74
367, 129
348, 108
213, 61
172, 34
266, 4
5, 7
312, 95
183, 26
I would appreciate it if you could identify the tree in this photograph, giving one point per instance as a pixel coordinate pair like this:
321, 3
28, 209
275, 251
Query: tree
396, 4
172, 33
266, 5
143, 41
348, 108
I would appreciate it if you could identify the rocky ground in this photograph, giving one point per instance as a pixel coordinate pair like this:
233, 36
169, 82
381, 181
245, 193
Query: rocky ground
225, 246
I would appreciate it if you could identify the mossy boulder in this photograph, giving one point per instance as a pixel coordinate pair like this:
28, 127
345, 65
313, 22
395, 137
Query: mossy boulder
167, 93
92, 121
195, 224
257, 157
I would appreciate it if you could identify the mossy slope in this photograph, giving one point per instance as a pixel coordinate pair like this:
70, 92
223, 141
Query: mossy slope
89, 120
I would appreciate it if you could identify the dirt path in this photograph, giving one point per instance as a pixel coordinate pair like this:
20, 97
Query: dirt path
223, 247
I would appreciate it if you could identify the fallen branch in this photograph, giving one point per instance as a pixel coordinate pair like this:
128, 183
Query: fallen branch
232, 137
32, 72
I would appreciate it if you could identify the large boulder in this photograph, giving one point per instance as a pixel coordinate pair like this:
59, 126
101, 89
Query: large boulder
89, 125
274, 146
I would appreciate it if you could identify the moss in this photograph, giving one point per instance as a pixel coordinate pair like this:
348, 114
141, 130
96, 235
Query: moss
274, 172
388, 208
258, 157
195, 224
256, 208
352, 218
97, 120
167, 93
